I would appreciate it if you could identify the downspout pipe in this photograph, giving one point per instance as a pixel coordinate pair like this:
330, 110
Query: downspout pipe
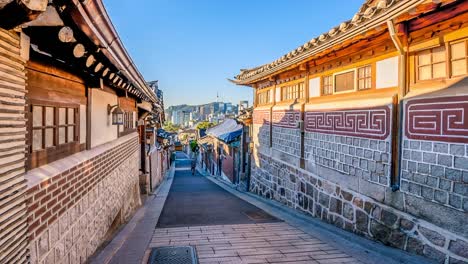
396, 171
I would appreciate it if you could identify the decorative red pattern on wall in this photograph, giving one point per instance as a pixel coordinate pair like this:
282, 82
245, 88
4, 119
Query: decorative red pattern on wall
286, 118
373, 123
439, 119
261, 117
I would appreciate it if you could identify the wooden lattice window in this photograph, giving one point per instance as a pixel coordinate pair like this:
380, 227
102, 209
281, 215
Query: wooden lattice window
54, 132
327, 86
365, 77
344, 82
292, 92
459, 58
128, 120
431, 64
128, 124
264, 97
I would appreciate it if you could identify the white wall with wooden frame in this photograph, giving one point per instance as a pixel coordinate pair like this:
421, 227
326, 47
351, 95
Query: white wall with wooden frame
438, 62
56, 120
102, 130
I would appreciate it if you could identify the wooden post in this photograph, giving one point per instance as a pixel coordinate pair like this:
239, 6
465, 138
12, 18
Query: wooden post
88, 116
306, 94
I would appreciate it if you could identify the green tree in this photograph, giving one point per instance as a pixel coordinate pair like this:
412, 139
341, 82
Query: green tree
169, 127
204, 125
194, 145
183, 137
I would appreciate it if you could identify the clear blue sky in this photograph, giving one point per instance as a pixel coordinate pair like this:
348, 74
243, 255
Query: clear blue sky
192, 46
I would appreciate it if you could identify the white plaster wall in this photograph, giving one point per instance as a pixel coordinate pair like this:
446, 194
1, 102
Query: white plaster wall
102, 130
387, 73
314, 87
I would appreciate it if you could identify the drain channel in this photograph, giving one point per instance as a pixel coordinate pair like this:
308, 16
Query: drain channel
173, 255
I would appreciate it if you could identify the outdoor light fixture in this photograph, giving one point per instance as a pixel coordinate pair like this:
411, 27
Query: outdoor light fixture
117, 114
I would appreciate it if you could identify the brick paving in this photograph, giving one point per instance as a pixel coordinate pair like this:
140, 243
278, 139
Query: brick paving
251, 243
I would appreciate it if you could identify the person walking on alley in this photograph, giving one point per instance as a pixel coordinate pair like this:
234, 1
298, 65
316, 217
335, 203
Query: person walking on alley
193, 165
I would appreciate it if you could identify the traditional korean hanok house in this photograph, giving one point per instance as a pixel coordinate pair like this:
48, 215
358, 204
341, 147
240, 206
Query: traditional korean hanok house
245, 148
69, 152
365, 126
153, 165
205, 154
226, 146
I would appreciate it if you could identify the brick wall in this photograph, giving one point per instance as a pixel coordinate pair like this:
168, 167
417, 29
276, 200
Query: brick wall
71, 212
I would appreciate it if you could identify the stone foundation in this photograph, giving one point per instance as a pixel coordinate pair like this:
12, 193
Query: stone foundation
73, 211
355, 212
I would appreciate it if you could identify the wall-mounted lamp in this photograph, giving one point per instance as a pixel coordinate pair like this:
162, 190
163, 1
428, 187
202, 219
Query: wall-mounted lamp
117, 114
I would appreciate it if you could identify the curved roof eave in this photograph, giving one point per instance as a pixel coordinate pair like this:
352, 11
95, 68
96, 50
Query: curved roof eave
364, 20
96, 24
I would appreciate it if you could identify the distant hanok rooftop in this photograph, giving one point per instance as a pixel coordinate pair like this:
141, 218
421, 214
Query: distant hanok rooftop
372, 15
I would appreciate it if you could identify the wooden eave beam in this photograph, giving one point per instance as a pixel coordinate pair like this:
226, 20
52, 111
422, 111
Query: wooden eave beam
377, 34
318, 57
16, 13
438, 15
424, 9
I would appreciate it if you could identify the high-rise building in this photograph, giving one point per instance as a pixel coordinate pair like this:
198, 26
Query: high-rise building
242, 106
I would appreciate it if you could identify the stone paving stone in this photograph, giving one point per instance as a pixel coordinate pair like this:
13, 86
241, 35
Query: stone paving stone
251, 243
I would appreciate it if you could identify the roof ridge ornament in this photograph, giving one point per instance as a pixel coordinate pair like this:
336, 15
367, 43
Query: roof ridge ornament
369, 13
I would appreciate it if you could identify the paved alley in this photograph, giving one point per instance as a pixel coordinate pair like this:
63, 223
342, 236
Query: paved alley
192, 210
226, 229
194, 200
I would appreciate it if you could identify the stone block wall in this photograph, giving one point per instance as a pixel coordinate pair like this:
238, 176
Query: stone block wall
437, 172
286, 140
70, 213
286, 135
434, 162
347, 176
338, 205
351, 142
263, 134
261, 129
364, 158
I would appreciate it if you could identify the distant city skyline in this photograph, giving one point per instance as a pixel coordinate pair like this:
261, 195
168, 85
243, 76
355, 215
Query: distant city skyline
192, 47
206, 103
189, 115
